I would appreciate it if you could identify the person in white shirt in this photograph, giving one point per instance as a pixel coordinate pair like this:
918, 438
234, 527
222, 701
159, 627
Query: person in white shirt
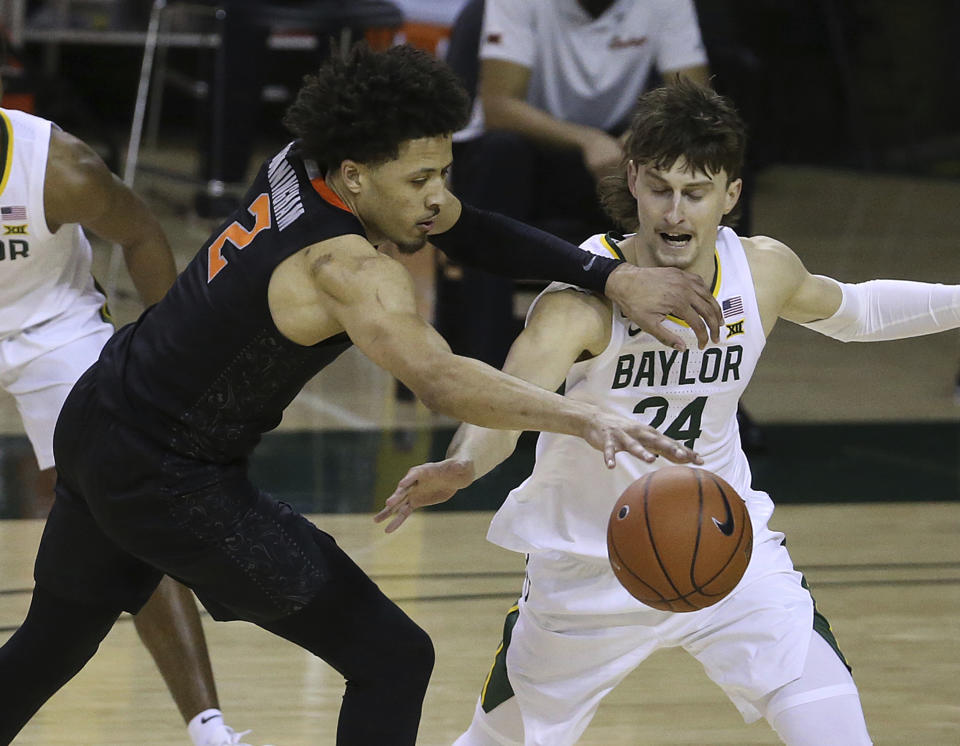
576, 632
557, 82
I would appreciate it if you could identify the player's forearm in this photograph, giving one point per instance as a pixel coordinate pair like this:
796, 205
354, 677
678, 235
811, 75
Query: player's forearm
150, 264
881, 310
509, 248
484, 448
476, 393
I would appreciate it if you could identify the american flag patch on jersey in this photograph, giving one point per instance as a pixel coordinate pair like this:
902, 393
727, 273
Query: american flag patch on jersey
732, 306
19, 212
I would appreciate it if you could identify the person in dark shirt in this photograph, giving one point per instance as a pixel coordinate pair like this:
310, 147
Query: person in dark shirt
153, 442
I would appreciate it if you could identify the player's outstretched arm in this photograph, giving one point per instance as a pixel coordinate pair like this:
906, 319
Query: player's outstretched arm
563, 328
871, 311
647, 295
371, 297
79, 188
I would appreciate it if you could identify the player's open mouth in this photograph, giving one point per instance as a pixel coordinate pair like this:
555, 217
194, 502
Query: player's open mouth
677, 240
425, 225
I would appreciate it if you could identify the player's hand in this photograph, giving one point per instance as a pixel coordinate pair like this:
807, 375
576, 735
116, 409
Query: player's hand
610, 434
427, 484
647, 295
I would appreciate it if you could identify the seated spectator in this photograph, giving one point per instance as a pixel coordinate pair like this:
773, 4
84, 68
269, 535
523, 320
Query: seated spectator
557, 82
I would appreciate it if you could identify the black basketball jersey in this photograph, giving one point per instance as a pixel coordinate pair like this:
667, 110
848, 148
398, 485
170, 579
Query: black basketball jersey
206, 371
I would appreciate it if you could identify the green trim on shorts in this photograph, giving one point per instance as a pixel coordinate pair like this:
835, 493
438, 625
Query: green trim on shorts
496, 689
822, 626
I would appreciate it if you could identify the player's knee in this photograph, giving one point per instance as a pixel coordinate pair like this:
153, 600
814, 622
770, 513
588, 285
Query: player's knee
415, 657
65, 631
830, 714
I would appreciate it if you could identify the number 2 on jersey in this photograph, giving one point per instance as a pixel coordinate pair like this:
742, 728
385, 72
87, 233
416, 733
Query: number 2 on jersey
238, 235
685, 427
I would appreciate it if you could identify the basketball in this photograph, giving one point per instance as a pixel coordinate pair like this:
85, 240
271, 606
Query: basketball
679, 539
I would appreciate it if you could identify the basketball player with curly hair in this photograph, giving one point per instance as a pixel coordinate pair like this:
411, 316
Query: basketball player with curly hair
576, 632
153, 442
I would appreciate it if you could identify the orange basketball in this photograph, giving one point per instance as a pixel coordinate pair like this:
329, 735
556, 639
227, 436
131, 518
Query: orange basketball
679, 539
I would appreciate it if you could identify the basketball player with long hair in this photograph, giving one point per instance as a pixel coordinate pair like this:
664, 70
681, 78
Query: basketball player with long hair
576, 632
153, 442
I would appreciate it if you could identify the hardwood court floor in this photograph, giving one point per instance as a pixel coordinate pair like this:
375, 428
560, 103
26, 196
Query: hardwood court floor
887, 576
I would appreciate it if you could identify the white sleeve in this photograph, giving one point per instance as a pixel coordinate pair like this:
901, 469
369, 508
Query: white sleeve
679, 44
508, 32
891, 309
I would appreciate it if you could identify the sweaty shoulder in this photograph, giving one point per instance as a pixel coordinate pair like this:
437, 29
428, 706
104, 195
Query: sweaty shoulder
307, 288
573, 316
336, 263
77, 181
777, 274
70, 158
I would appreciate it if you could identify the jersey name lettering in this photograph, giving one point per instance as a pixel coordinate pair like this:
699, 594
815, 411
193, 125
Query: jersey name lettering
13, 249
285, 190
663, 367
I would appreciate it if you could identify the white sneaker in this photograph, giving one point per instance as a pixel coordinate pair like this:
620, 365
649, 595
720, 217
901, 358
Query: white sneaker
233, 738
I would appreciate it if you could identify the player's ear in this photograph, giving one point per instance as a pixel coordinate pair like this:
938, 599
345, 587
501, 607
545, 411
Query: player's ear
350, 172
732, 196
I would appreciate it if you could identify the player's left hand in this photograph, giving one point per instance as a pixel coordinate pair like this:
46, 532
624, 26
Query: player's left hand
427, 484
647, 295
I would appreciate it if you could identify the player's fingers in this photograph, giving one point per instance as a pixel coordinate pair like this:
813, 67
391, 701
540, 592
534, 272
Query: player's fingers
411, 479
692, 318
666, 336
659, 443
709, 310
403, 512
635, 448
679, 454
383, 515
397, 496
610, 453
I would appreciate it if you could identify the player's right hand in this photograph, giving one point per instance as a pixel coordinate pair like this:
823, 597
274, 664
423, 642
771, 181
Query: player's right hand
427, 484
610, 434
647, 295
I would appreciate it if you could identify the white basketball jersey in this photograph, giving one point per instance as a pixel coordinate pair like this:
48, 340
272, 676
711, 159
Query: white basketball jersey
691, 396
42, 274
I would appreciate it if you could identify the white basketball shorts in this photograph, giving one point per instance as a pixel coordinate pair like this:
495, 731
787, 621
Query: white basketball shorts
579, 634
40, 364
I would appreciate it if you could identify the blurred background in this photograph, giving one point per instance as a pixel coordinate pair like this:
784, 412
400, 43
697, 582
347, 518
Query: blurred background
852, 107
